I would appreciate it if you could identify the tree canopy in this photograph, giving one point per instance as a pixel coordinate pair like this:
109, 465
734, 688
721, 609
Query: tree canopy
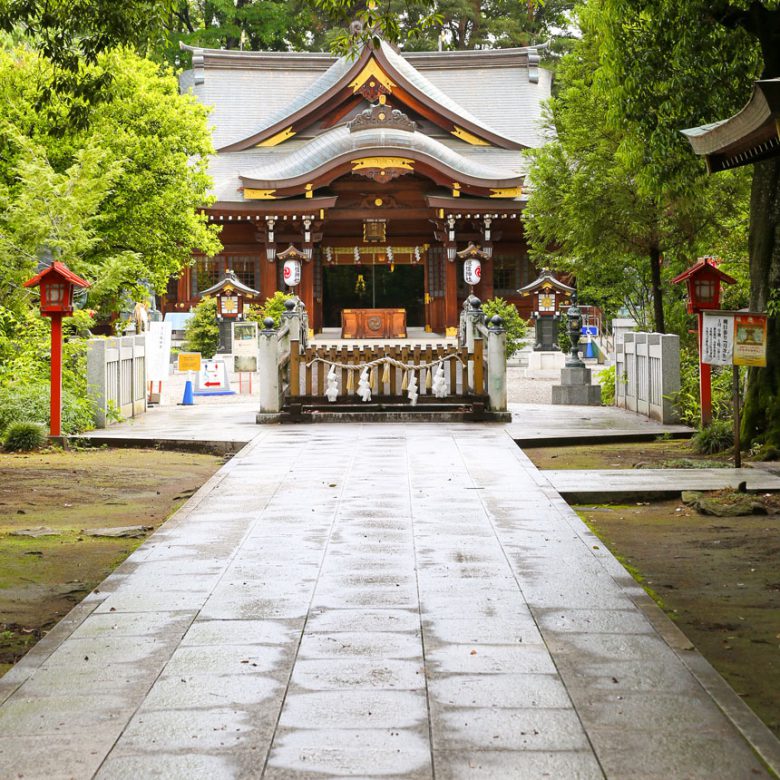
596, 211
118, 198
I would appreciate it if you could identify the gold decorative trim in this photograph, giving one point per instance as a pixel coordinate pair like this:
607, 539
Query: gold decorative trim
252, 194
383, 163
510, 192
275, 140
449, 332
469, 138
372, 70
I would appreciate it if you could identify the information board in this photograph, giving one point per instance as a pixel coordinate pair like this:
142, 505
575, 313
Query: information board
245, 346
717, 343
158, 351
189, 361
733, 338
749, 339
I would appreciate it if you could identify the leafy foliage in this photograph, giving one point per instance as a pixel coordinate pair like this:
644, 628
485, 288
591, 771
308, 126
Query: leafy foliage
688, 401
593, 208
24, 370
201, 334
606, 379
273, 307
24, 437
116, 200
70, 34
697, 65
515, 326
717, 437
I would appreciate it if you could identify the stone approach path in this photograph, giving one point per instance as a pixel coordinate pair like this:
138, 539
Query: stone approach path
377, 600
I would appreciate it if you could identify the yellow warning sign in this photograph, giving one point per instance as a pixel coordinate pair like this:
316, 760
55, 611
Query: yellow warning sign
189, 361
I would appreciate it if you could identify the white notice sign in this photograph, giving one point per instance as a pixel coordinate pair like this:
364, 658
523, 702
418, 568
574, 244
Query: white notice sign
717, 341
158, 351
245, 346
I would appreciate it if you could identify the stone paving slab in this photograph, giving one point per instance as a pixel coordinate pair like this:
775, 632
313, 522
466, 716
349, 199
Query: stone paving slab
372, 601
582, 486
543, 424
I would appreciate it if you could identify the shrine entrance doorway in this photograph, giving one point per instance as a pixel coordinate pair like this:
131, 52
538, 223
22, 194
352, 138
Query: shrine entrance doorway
373, 287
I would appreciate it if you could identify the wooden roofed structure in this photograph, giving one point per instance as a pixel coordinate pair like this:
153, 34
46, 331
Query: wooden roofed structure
751, 135
378, 168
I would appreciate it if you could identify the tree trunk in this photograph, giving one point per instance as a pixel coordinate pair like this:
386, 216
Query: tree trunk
761, 416
658, 300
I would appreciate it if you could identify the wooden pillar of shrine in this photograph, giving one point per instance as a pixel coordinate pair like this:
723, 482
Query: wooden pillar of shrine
485, 289
451, 297
267, 278
306, 289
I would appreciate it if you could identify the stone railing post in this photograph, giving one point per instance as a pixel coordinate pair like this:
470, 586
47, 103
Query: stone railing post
292, 316
496, 359
268, 370
474, 317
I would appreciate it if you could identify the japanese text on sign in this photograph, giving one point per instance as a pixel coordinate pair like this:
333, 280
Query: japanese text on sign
717, 343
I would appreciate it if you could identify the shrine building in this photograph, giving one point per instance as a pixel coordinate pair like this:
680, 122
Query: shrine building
380, 169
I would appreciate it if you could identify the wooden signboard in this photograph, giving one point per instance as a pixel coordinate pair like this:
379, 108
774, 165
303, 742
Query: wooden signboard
749, 339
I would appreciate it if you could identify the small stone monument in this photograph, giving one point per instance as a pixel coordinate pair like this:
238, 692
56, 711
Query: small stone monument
575, 388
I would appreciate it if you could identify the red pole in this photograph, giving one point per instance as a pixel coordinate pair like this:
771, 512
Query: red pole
55, 414
705, 383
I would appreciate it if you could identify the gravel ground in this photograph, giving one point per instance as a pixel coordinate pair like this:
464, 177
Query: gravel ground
521, 390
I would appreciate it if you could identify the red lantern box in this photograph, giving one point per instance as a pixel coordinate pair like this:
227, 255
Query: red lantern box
57, 283
704, 280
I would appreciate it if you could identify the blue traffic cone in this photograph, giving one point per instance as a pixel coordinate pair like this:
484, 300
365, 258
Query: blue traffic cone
189, 396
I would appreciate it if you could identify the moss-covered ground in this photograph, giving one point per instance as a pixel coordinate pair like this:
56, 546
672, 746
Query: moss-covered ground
69, 492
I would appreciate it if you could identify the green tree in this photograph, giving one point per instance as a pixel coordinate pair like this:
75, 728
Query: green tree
674, 64
117, 199
588, 212
201, 334
70, 34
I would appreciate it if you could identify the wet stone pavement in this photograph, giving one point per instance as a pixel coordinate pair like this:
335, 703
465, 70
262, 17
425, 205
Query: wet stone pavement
367, 601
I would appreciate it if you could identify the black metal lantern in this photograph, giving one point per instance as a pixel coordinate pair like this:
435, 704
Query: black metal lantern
575, 329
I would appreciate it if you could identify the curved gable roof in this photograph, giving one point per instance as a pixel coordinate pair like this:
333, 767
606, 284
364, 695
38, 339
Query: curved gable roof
337, 85
323, 158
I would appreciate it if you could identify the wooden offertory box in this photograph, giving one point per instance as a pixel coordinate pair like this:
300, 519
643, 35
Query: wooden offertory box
373, 323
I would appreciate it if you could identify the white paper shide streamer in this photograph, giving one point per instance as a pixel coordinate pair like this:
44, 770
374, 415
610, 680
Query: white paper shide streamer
332, 390
364, 386
412, 393
439, 385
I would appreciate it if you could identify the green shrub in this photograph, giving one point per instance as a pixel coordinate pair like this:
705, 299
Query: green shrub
717, 437
24, 437
606, 379
688, 401
515, 326
273, 307
564, 341
201, 334
23, 402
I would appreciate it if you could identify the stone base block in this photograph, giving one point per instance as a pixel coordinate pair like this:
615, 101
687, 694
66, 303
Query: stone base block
577, 395
545, 361
575, 376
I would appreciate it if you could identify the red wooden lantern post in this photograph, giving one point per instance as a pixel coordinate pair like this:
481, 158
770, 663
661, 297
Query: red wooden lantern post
704, 280
57, 283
